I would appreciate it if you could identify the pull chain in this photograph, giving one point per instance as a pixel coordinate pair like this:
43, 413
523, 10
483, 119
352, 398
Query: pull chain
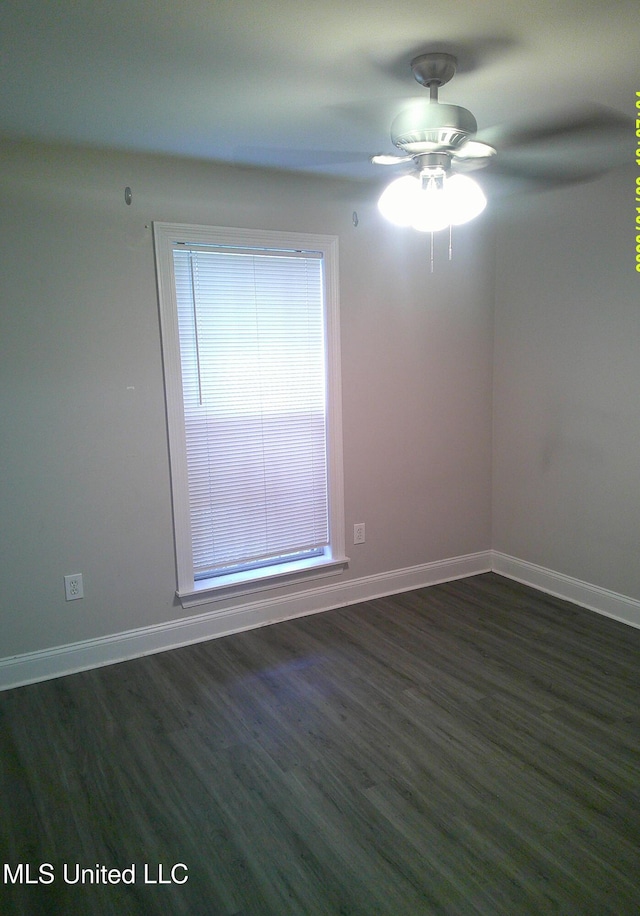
450, 247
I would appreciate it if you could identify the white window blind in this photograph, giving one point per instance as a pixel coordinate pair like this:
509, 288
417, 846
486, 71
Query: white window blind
251, 326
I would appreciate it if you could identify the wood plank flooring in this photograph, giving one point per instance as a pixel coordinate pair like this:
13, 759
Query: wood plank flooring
471, 748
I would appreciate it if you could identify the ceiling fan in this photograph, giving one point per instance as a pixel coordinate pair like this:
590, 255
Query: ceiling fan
439, 145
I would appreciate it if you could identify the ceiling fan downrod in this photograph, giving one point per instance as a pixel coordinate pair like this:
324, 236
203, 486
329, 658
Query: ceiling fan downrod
434, 70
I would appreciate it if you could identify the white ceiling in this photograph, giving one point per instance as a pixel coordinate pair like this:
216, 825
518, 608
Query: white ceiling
295, 83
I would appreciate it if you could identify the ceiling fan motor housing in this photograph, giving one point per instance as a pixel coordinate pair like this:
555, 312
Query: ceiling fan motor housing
430, 125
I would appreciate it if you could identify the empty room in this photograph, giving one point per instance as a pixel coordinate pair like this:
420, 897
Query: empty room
319, 458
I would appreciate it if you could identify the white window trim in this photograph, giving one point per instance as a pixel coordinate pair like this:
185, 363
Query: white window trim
191, 592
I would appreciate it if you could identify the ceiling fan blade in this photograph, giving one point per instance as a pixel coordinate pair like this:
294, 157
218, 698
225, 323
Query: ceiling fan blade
537, 176
588, 124
577, 146
475, 149
390, 159
472, 155
285, 157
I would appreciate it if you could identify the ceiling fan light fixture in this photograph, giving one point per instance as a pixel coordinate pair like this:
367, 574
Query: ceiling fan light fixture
433, 201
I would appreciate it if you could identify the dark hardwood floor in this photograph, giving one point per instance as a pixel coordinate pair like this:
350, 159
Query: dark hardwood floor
469, 748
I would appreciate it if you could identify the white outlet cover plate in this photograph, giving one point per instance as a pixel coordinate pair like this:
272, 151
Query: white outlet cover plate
73, 587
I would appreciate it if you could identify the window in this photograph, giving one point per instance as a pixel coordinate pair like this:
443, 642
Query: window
250, 341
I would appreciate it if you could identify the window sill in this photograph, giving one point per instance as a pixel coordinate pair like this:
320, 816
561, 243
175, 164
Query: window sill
257, 580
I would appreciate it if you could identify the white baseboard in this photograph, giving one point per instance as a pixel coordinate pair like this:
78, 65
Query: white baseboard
94, 653
592, 597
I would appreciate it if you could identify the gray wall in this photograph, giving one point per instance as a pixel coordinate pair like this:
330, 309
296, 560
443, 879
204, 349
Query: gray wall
84, 473
567, 384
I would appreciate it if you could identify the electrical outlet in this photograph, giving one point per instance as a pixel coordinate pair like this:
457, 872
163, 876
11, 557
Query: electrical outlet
358, 533
73, 587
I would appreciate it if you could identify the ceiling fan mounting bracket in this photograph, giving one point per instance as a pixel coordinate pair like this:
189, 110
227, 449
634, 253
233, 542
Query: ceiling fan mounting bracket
434, 69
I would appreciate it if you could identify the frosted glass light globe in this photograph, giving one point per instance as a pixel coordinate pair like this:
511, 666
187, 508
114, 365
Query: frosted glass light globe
465, 199
397, 201
408, 202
